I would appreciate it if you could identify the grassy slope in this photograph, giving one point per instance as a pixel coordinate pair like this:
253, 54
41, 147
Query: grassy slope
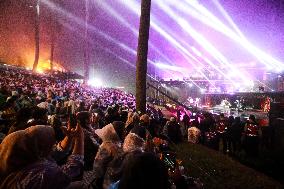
216, 170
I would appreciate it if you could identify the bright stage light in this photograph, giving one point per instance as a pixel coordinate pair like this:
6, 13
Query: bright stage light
191, 54
249, 83
116, 15
203, 42
81, 23
237, 85
155, 24
227, 16
120, 87
206, 17
134, 7
219, 26
213, 22
198, 53
95, 82
39, 70
169, 67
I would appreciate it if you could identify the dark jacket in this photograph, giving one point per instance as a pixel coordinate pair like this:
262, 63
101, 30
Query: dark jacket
173, 132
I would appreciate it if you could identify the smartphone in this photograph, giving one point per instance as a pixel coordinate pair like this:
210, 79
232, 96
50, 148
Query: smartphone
169, 160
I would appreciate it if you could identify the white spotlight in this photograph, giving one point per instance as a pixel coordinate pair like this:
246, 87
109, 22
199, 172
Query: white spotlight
190, 84
202, 90
95, 82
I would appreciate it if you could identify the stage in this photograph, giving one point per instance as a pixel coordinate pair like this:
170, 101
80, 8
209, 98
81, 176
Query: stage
260, 115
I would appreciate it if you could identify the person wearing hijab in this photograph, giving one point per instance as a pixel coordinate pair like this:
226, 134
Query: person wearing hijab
23, 115
134, 141
25, 160
132, 121
112, 136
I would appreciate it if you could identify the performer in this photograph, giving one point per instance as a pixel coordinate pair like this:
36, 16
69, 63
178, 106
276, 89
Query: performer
266, 106
226, 106
197, 101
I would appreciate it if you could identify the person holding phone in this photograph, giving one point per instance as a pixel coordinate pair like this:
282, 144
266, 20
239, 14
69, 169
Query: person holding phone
26, 162
91, 145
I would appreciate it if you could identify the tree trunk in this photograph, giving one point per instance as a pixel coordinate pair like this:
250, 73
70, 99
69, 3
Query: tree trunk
86, 49
52, 46
37, 23
142, 52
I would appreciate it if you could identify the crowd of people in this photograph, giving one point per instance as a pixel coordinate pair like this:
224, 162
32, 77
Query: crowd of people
53, 131
229, 134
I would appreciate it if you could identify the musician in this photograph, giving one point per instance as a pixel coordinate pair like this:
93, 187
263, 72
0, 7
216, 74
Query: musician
226, 105
266, 106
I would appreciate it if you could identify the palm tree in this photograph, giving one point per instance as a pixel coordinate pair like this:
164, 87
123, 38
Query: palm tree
142, 52
37, 23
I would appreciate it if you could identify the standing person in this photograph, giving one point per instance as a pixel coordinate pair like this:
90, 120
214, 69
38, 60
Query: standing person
132, 121
172, 130
235, 133
205, 125
112, 136
90, 144
178, 115
231, 120
185, 124
252, 132
222, 128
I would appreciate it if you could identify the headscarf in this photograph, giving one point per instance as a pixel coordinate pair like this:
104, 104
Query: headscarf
108, 133
145, 118
24, 147
133, 117
133, 142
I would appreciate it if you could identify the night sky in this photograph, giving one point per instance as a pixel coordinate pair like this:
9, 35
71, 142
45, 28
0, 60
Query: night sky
113, 31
